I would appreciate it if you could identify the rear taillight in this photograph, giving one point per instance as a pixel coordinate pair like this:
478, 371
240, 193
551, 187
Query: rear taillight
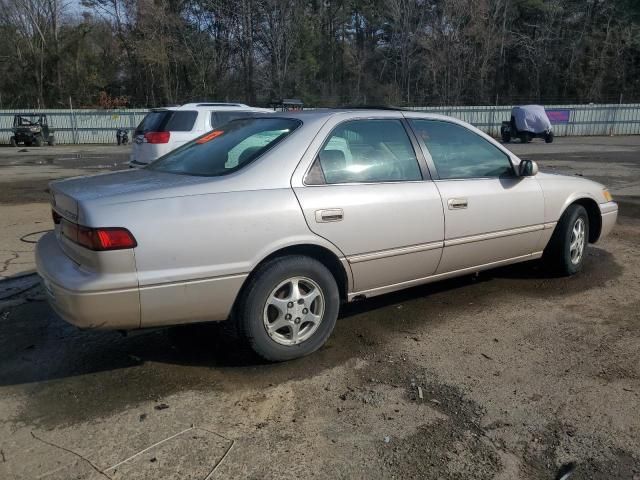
56, 217
98, 239
157, 137
114, 238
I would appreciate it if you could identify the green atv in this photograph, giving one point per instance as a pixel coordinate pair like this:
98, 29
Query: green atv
31, 129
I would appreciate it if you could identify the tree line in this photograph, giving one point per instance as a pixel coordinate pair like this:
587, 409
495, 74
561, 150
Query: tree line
143, 53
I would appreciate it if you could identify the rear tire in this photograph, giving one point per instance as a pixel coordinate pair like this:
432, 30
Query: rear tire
506, 137
289, 308
51, 141
566, 250
524, 138
12, 142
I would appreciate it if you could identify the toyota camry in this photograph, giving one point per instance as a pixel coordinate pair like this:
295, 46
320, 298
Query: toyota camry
273, 222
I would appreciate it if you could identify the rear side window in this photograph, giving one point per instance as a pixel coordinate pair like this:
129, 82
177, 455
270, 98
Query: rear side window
228, 149
168, 121
459, 153
366, 151
220, 118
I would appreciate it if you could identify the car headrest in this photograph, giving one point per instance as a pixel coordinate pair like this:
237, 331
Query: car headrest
333, 160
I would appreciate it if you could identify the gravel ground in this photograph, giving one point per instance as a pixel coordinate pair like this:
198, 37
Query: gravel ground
510, 374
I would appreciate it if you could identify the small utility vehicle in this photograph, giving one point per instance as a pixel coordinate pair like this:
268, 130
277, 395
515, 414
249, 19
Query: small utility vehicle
527, 122
31, 129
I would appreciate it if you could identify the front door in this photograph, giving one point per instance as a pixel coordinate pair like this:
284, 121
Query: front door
491, 214
367, 193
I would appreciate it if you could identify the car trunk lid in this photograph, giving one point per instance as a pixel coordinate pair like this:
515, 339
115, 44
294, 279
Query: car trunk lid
71, 195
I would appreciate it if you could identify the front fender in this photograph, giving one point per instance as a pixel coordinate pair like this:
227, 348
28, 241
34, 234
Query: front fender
560, 191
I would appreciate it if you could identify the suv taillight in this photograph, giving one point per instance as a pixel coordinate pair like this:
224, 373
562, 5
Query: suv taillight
98, 239
157, 137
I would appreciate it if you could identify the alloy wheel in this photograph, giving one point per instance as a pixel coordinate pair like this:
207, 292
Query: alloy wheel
294, 310
577, 243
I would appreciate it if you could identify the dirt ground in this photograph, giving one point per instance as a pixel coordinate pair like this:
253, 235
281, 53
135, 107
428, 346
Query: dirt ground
508, 375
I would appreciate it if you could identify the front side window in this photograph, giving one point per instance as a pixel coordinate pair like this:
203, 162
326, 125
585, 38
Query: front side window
459, 153
227, 149
365, 151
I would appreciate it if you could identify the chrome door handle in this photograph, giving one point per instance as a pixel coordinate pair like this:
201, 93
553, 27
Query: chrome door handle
458, 203
329, 215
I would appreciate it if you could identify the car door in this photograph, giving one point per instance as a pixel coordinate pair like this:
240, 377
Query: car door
185, 125
491, 214
368, 194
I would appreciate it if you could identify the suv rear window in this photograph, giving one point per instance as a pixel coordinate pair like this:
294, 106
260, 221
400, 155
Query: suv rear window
227, 150
168, 121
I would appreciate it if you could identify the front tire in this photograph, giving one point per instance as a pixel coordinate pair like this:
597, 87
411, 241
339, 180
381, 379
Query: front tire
52, 141
548, 137
289, 308
568, 245
38, 141
12, 142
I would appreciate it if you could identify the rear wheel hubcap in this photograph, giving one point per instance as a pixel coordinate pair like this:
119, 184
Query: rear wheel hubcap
293, 311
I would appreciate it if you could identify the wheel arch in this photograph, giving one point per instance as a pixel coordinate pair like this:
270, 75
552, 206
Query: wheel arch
338, 268
593, 212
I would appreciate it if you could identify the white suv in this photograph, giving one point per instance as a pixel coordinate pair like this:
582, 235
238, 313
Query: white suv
165, 129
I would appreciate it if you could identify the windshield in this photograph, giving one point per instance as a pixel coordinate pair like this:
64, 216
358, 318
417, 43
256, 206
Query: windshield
228, 148
26, 121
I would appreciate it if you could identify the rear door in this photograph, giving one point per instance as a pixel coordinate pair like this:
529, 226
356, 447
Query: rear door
491, 214
367, 192
180, 125
184, 126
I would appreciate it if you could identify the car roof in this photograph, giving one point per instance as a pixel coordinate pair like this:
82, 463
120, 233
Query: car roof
221, 106
326, 113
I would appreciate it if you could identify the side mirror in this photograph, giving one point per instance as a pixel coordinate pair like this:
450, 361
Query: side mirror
527, 168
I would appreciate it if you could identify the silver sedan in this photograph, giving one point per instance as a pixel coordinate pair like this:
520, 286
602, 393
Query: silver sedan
273, 222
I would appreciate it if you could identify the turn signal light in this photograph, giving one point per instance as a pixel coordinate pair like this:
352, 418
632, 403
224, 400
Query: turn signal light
157, 137
98, 239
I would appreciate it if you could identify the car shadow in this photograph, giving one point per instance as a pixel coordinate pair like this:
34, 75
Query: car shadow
37, 346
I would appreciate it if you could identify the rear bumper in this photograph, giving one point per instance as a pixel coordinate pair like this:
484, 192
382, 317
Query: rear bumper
609, 215
88, 299
145, 153
95, 308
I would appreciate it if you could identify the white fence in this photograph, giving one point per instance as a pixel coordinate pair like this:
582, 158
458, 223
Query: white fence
567, 120
99, 126
79, 126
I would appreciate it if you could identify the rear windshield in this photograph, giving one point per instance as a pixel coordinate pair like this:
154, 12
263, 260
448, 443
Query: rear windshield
168, 121
228, 148
220, 118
